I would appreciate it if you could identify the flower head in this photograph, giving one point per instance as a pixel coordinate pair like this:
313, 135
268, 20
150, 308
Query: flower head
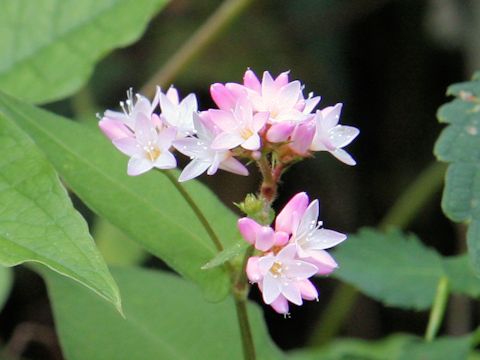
176, 113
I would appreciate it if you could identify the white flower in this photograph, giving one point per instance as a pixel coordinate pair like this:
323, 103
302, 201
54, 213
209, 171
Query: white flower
178, 114
283, 275
204, 158
310, 238
149, 148
331, 137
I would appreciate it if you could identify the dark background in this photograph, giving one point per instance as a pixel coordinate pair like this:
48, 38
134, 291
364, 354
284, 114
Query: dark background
388, 61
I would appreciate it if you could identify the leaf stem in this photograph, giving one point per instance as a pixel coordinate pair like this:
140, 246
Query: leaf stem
198, 213
213, 26
438, 309
410, 202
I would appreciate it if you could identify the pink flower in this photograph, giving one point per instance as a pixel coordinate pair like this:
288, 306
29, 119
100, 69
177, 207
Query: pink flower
262, 237
239, 127
116, 125
176, 113
282, 99
312, 240
149, 148
331, 137
284, 275
204, 158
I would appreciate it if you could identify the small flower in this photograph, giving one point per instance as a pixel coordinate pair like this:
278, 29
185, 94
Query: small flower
282, 99
149, 148
312, 240
283, 275
116, 125
204, 158
239, 127
331, 137
262, 237
178, 114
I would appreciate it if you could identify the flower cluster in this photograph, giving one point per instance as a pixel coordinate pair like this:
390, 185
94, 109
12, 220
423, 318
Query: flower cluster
291, 253
271, 116
267, 121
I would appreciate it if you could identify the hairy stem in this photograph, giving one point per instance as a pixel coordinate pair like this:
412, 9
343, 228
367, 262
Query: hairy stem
213, 27
198, 213
410, 202
438, 309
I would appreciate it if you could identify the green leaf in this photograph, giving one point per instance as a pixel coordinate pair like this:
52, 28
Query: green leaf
147, 208
165, 318
49, 47
37, 220
6, 280
393, 268
399, 270
395, 347
116, 248
228, 254
459, 145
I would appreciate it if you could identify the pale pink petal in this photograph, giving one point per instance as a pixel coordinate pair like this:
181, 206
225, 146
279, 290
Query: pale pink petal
127, 145
302, 137
225, 141
253, 272
259, 120
195, 168
114, 129
301, 269
222, 97
323, 239
324, 262
310, 104
251, 81
252, 143
308, 220
290, 94
223, 119
190, 103
172, 95
249, 229
341, 136
282, 79
234, 166
268, 86
165, 138
287, 253
191, 147
280, 305
215, 164
137, 166
343, 156
307, 290
331, 115
292, 293
280, 132
116, 115
288, 219
166, 160
265, 263
265, 238
281, 238
271, 288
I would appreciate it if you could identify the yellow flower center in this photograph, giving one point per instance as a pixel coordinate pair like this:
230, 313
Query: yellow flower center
153, 153
246, 133
276, 268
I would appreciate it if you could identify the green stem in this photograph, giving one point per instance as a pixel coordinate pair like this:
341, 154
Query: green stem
410, 202
213, 27
244, 323
198, 213
268, 189
438, 309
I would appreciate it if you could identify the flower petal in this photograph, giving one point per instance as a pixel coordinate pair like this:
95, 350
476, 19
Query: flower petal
249, 229
253, 272
292, 293
127, 145
234, 166
323, 239
138, 165
193, 169
309, 220
307, 290
225, 141
343, 156
271, 288
341, 136
265, 239
280, 305
289, 218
